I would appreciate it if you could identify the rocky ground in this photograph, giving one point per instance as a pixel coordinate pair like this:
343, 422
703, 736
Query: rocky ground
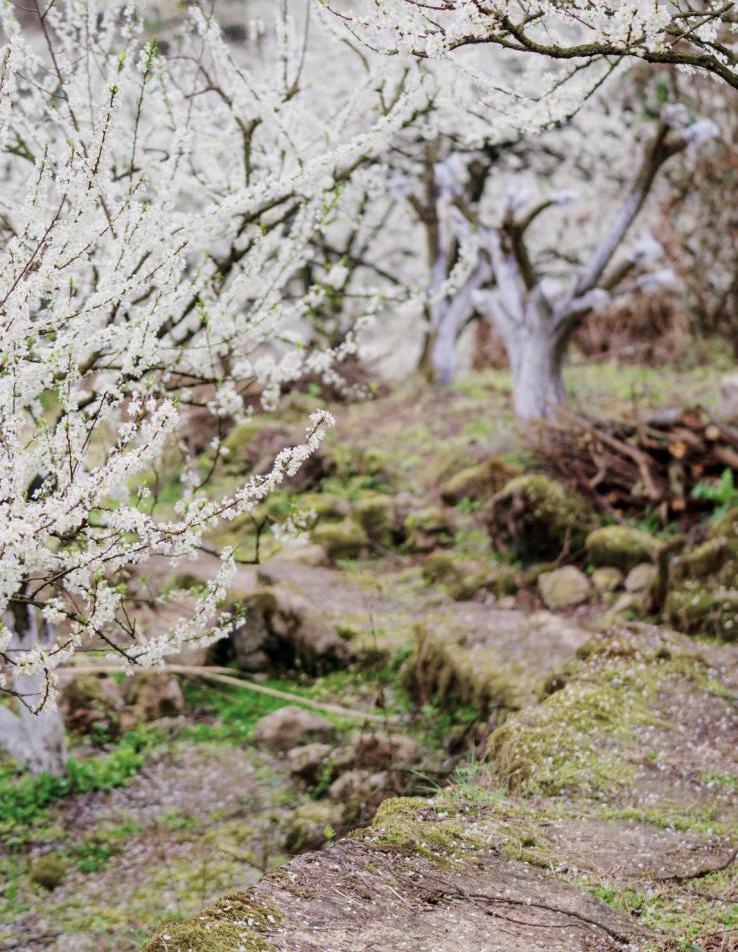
451, 616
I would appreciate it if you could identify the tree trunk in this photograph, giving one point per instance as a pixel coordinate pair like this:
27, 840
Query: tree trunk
536, 361
36, 741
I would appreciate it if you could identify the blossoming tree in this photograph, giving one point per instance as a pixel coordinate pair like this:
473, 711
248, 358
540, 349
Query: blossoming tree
154, 210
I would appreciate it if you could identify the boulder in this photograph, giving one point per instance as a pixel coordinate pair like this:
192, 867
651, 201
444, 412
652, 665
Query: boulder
375, 513
727, 527
427, 529
92, 706
478, 483
642, 577
289, 726
384, 751
303, 553
281, 631
607, 579
458, 578
566, 587
700, 608
535, 519
151, 696
310, 760
359, 792
311, 825
342, 540
620, 547
706, 560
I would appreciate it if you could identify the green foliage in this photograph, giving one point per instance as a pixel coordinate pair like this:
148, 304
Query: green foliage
24, 799
724, 493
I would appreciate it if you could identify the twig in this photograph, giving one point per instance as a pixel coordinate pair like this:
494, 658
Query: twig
225, 676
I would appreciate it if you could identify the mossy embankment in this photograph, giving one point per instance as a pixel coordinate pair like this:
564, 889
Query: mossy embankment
605, 814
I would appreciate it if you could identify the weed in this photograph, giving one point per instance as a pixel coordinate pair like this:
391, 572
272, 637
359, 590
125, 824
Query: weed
724, 493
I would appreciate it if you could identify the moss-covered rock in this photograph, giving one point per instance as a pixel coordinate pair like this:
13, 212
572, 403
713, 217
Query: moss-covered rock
427, 529
342, 540
700, 608
237, 922
575, 741
727, 528
479, 482
536, 519
443, 668
707, 559
92, 706
607, 578
48, 871
375, 513
566, 587
459, 578
620, 546
310, 825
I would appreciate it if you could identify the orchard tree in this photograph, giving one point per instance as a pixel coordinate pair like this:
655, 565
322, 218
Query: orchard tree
695, 35
155, 212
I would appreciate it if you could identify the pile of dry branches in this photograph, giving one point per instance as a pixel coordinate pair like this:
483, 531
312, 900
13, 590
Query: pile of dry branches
653, 463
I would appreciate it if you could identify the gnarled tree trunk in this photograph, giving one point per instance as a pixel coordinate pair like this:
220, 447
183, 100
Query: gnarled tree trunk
35, 740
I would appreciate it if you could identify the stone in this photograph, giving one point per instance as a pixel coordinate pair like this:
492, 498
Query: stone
728, 398
607, 578
727, 528
280, 630
310, 825
303, 553
384, 751
707, 559
375, 513
641, 577
566, 587
535, 519
151, 696
427, 529
620, 546
459, 578
359, 792
478, 483
92, 705
289, 726
309, 760
700, 608
342, 540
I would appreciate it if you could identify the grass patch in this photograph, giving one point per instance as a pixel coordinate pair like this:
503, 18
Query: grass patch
24, 799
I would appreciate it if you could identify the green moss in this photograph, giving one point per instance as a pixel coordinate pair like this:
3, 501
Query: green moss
576, 741
343, 540
478, 482
425, 529
620, 546
375, 513
48, 871
442, 668
232, 922
707, 559
701, 608
417, 826
727, 528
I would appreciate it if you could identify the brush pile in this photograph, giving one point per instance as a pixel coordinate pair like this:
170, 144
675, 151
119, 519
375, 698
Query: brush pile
677, 464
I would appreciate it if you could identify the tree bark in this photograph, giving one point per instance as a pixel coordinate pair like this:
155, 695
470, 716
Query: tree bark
35, 740
536, 361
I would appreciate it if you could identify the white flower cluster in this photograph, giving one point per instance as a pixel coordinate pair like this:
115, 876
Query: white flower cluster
156, 209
